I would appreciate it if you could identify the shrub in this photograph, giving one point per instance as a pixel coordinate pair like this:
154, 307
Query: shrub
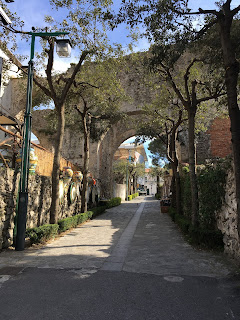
135, 195
130, 197
113, 202
43, 233
158, 196
97, 211
211, 184
206, 238
74, 221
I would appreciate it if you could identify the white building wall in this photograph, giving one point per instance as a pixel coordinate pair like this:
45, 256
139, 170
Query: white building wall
149, 183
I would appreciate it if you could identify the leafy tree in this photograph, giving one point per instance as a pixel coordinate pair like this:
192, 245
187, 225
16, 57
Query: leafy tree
176, 21
96, 95
165, 116
190, 89
158, 151
87, 33
120, 169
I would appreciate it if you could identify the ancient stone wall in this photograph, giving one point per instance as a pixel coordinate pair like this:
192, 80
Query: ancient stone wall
214, 143
38, 203
227, 219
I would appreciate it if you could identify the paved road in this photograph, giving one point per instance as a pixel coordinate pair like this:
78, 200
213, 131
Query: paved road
129, 263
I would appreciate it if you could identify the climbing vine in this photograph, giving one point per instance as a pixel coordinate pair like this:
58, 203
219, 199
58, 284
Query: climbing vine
211, 184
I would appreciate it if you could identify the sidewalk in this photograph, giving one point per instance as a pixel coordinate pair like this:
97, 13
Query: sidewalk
133, 237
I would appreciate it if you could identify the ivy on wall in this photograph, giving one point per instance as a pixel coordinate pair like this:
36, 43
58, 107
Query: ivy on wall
211, 184
211, 180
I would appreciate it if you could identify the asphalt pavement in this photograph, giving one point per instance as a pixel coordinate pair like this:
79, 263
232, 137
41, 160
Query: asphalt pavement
132, 262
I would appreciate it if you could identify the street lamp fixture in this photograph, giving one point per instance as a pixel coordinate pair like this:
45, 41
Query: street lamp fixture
23, 190
63, 48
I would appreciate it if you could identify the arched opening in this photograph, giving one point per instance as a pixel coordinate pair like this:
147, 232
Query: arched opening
117, 134
129, 163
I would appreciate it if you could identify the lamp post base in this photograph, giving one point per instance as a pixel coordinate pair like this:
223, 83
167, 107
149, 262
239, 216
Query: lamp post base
21, 221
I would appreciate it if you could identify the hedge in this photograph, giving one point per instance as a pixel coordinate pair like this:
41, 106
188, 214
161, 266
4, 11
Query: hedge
199, 236
97, 211
113, 202
43, 233
74, 221
133, 196
48, 231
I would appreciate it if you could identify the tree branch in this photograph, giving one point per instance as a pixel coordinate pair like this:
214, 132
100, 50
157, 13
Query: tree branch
173, 84
235, 11
75, 71
214, 96
50, 66
44, 89
205, 28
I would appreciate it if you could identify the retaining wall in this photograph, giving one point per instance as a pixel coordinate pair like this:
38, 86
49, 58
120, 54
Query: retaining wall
38, 203
227, 219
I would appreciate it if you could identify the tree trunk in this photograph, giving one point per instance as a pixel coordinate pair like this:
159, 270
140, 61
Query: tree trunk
54, 209
134, 184
174, 165
231, 78
192, 165
86, 129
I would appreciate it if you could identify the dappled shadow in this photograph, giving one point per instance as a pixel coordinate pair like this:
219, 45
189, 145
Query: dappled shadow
157, 246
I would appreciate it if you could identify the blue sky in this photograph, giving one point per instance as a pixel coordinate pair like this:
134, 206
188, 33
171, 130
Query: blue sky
32, 12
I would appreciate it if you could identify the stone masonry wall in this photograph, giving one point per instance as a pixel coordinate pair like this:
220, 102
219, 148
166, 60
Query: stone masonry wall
38, 203
227, 219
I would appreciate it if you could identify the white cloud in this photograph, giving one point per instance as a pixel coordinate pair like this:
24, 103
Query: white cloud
142, 45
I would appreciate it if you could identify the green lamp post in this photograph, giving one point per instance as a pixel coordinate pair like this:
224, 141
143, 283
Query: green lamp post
63, 51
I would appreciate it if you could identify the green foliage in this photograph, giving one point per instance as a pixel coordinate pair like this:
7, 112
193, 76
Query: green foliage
198, 236
133, 196
158, 150
74, 221
209, 239
98, 210
211, 184
211, 180
120, 168
158, 196
113, 202
48, 231
43, 233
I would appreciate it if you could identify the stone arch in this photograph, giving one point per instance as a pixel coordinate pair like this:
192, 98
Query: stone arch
116, 135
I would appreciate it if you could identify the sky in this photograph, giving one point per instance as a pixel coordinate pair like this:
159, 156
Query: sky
32, 12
